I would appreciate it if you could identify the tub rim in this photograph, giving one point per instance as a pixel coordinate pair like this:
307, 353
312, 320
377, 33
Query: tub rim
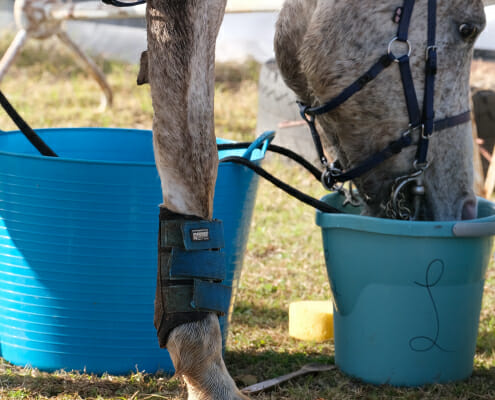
480, 227
256, 155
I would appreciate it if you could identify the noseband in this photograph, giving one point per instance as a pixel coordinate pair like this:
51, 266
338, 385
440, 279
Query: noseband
422, 122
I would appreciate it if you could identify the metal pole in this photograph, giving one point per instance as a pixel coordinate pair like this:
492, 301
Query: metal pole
11, 53
91, 68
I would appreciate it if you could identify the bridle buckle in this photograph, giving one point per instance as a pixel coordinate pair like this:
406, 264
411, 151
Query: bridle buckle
430, 49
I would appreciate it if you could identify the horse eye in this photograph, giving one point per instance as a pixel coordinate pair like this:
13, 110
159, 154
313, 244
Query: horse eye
468, 31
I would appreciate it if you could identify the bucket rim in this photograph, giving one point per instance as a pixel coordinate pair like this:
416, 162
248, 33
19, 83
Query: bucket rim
255, 156
384, 226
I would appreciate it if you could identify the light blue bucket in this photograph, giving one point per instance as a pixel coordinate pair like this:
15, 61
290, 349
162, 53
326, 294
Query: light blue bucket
407, 295
78, 248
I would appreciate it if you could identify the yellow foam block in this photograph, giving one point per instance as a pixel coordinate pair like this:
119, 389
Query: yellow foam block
311, 320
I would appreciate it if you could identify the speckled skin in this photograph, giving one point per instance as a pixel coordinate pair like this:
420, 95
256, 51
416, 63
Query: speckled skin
181, 55
322, 46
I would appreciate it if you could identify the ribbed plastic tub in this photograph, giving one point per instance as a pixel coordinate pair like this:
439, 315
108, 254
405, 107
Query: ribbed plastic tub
78, 248
407, 295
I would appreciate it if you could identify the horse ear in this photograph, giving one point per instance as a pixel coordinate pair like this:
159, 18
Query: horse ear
292, 25
143, 75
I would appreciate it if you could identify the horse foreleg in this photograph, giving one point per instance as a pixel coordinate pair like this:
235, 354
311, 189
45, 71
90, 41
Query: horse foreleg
180, 69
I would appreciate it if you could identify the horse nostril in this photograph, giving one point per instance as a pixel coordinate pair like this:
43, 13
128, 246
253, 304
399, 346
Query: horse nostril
470, 209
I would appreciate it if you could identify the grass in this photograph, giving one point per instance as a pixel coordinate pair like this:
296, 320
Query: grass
283, 263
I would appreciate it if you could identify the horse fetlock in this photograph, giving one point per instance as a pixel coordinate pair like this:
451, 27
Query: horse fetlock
196, 346
196, 351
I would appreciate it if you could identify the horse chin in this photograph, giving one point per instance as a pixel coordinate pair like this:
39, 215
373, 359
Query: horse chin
373, 207
425, 208
405, 206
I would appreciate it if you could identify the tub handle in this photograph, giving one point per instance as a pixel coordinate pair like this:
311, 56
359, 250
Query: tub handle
474, 229
262, 141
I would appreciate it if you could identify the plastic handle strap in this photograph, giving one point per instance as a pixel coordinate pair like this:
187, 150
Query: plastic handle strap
474, 229
262, 141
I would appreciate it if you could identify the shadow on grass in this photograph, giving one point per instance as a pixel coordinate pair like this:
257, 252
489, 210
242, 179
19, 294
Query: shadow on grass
485, 354
486, 342
256, 316
269, 364
335, 384
51, 385
28, 384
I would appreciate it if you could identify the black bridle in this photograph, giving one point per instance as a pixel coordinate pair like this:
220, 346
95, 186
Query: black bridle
419, 121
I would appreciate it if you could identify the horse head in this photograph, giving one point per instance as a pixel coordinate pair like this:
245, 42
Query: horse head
325, 47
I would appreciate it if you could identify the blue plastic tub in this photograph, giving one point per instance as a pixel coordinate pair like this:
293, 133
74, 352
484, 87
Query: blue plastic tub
78, 252
407, 295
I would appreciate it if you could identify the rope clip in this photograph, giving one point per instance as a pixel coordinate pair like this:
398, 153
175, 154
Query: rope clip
303, 110
330, 175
